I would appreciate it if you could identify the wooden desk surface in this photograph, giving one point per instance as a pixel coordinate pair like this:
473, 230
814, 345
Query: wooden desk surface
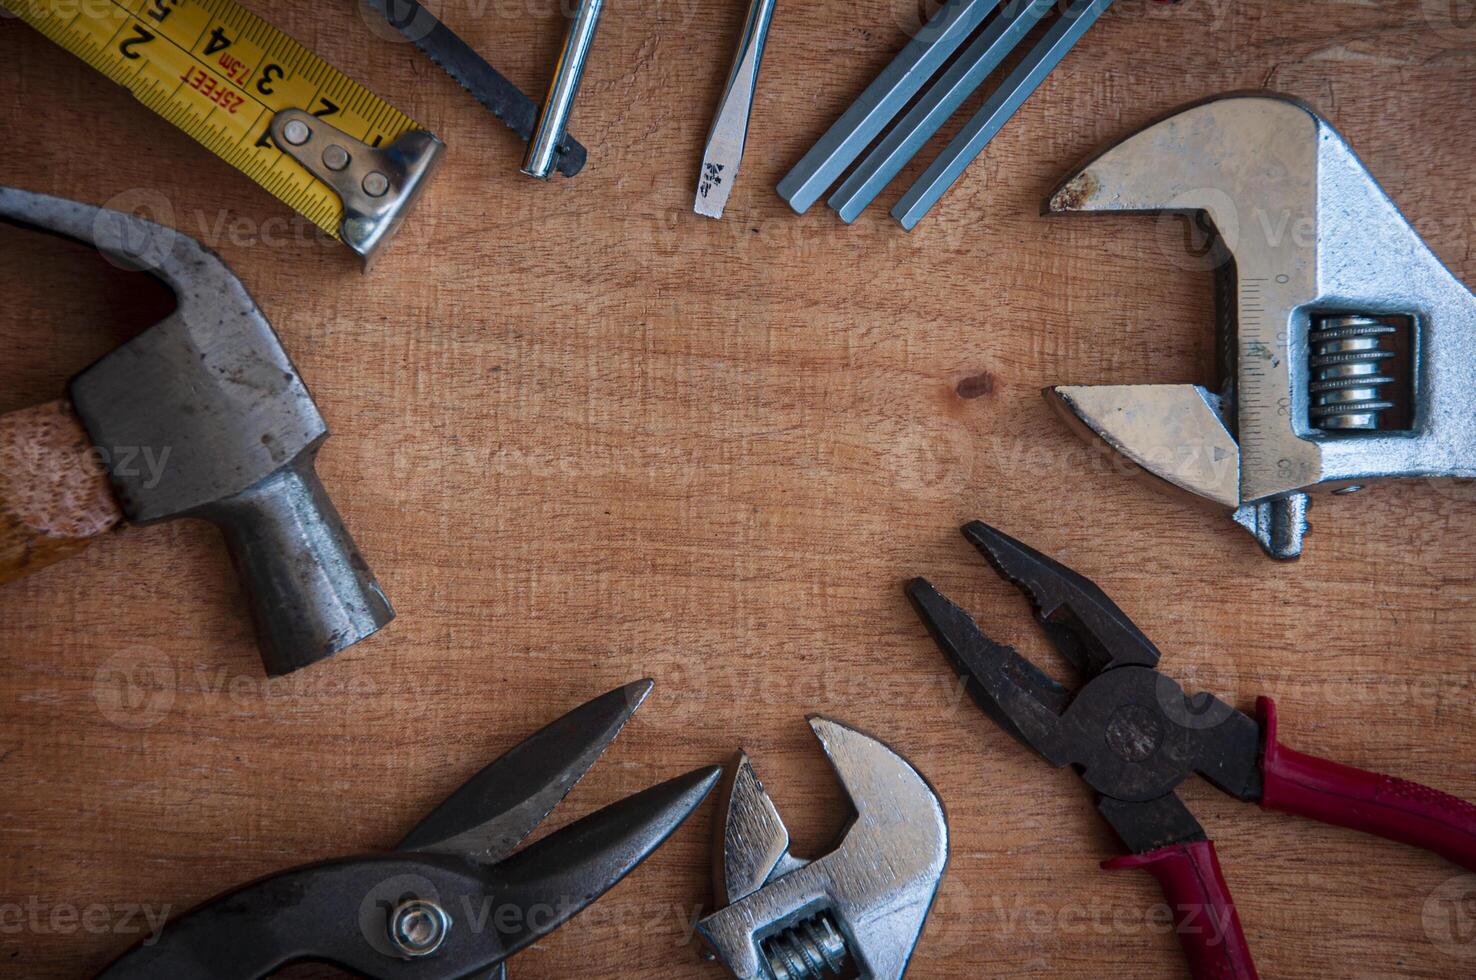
585, 436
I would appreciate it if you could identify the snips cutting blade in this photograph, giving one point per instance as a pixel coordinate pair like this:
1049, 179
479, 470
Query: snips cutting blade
455, 899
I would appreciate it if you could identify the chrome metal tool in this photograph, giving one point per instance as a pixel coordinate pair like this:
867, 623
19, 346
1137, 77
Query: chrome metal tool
729, 131
472, 72
377, 187
1349, 349
860, 908
550, 131
955, 23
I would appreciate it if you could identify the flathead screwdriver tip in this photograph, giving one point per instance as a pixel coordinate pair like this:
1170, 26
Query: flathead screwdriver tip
724, 151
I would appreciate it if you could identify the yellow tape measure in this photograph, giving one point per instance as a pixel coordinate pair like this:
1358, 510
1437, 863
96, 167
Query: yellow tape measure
222, 74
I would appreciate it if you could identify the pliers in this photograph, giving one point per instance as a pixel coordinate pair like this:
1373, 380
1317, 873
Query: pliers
1133, 734
452, 900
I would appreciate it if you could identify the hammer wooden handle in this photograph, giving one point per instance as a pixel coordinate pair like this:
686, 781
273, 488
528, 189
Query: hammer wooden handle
54, 492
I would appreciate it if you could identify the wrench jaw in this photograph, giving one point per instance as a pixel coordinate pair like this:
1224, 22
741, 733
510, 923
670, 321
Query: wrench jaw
1176, 433
1209, 157
1176, 436
754, 846
1310, 250
863, 905
1210, 160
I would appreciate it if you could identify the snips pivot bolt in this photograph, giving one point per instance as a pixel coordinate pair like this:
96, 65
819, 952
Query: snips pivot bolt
417, 927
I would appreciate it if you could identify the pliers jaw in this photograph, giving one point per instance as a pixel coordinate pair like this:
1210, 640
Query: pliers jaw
1133, 735
1015, 694
1078, 618
1131, 732
1082, 623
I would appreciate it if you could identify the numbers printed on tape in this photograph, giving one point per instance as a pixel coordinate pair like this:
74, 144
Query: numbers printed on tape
220, 73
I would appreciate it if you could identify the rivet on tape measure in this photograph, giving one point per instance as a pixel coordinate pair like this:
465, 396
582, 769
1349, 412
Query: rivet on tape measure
329, 148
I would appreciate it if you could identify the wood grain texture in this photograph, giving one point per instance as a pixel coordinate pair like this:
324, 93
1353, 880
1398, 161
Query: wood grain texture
54, 493
586, 436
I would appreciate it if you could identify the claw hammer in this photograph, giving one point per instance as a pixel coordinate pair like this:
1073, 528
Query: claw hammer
211, 401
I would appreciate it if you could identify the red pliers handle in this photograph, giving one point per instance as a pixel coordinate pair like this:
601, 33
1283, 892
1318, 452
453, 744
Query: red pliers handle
1304, 785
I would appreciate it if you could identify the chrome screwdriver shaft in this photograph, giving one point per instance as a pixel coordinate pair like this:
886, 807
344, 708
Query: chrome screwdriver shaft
553, 120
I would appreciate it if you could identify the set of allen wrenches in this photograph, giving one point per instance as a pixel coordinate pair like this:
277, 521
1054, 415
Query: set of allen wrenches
933, 65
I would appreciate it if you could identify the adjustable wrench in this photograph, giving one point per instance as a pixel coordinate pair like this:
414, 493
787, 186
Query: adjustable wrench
1347, 346
860, 907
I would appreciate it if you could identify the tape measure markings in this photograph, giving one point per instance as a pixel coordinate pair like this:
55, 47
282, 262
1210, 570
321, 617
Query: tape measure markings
219, 59
179, 113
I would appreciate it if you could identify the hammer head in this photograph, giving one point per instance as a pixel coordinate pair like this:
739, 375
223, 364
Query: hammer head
864, 904
204, 415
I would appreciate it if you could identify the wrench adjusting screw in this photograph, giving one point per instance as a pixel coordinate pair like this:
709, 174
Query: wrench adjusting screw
1346, 358
810, 950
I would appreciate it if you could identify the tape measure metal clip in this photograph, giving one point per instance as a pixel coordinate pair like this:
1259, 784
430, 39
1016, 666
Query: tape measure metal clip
378, 186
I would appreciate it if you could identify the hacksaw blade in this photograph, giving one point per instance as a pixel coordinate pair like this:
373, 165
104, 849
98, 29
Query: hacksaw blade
472, 72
